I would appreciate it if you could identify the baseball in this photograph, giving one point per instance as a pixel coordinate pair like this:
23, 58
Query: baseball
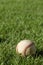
25, 47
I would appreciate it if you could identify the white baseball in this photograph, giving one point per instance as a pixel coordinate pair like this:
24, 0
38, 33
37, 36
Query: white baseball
25, 47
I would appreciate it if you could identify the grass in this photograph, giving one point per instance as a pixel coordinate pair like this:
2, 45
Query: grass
20, 19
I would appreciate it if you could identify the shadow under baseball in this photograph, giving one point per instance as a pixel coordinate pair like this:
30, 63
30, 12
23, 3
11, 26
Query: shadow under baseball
39, 53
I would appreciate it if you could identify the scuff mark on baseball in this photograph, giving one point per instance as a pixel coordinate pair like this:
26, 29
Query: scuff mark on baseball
26, 47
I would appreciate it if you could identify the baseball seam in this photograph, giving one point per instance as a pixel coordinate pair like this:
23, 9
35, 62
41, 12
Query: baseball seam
27, 48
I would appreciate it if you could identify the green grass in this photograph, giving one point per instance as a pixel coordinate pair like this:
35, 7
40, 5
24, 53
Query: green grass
20, 19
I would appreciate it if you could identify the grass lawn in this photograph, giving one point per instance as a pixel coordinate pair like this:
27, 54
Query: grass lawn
20, 19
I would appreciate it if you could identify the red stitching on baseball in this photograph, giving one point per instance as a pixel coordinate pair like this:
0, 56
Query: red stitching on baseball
27, 47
